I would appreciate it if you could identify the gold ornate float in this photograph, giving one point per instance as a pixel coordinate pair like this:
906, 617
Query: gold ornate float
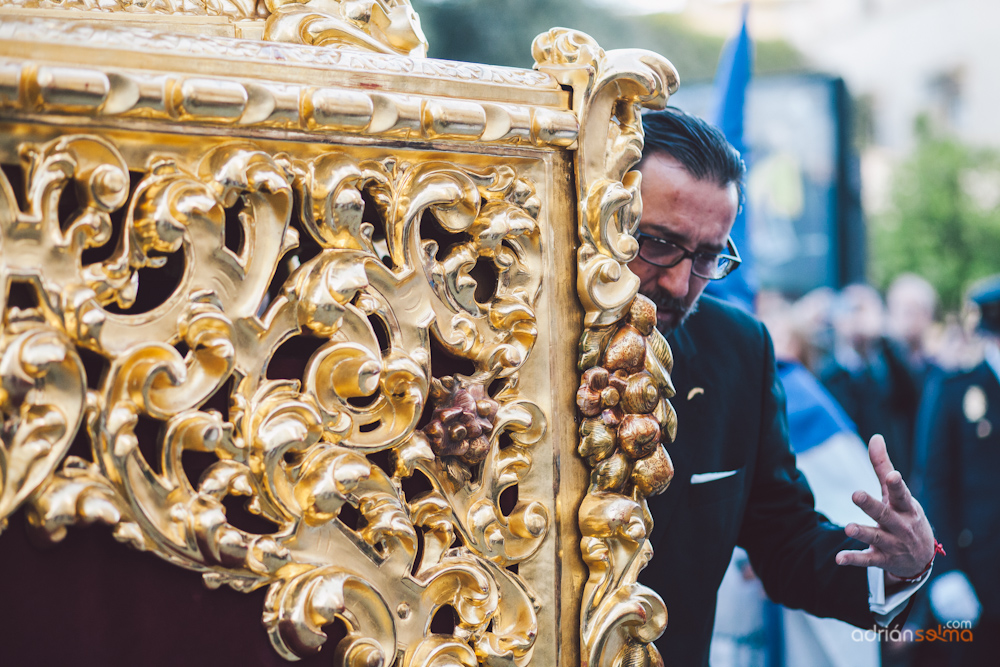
194, 191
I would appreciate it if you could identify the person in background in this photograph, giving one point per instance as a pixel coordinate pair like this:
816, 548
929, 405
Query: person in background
958, 456
910, 305
955, 345
813, 327
867, 377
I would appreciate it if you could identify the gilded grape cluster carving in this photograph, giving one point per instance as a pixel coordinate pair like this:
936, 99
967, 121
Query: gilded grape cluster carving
625, 416
374, 296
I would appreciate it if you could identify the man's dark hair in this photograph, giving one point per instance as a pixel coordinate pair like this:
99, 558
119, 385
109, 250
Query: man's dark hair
700, 148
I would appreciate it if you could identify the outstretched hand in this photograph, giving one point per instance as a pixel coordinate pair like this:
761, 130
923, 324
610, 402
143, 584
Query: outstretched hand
902, 543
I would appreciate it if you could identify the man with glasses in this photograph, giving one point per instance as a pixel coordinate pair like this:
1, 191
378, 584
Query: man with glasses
735, 479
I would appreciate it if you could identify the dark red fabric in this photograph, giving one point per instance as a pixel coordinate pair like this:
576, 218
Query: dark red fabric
90, 600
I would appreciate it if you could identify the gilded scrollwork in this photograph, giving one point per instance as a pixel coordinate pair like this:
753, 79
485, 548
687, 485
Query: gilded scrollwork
379, 26
613, 87
234, 8
283, 243
376, 296
626, 417
624, 361
16, 29
42, 402
229, 92
383, 26
470, 478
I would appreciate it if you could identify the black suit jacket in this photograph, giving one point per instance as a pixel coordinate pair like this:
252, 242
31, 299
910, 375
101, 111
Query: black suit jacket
731, 416
958, 455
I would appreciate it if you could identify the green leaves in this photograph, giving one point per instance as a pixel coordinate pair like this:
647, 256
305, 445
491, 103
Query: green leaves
944, 219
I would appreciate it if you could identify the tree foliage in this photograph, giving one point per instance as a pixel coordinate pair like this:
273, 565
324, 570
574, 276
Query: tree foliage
944, 221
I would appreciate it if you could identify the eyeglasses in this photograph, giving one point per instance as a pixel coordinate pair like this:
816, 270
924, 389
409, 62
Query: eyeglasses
708, 265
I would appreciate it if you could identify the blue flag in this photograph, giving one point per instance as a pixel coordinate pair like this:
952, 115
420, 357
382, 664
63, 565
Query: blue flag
814, 416
729, 101
730, 88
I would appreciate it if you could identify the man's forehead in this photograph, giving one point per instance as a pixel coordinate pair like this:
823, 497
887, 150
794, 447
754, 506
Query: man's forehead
664, 169
659, 164
678, 206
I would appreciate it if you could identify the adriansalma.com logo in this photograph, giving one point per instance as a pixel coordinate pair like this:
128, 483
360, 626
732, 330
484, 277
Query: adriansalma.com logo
953, 631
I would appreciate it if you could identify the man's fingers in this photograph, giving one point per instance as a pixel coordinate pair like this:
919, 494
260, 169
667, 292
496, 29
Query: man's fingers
867, 534
866, 558
872, 507
880, 461
899, 494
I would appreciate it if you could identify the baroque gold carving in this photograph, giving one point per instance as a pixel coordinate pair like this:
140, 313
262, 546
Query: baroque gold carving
376, 297
235, 8
42, 401
387, 26
381, 26
249, 102
612, 86
625, 362
332, 205
626, 414
33, 29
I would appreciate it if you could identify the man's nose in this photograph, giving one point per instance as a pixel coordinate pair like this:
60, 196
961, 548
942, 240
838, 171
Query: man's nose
677, 279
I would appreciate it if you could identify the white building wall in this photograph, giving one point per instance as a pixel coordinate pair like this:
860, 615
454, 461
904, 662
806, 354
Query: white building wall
906, 56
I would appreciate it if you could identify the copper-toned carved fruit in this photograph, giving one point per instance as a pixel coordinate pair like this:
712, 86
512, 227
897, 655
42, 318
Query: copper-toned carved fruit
626, 351
652, 474
638, 435
642, 315
641, 394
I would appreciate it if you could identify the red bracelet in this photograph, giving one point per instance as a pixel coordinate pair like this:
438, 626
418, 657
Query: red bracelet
938, 549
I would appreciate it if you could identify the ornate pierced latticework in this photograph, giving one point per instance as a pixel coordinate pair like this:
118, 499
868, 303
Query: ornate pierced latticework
344, 275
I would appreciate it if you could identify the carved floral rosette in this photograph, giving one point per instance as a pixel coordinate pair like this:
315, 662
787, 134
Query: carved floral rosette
625, 362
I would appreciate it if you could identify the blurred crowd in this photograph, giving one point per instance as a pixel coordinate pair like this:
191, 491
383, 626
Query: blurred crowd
874, 355
931, 386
